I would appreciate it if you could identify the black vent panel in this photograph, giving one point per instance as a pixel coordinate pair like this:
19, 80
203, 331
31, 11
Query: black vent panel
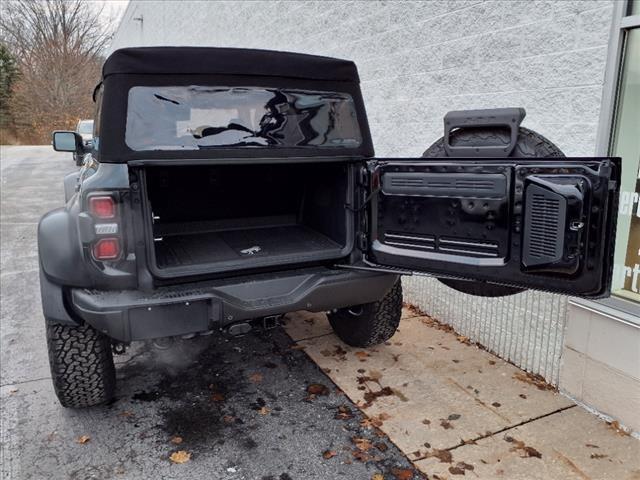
545, 218
410, 240
461, 185
449, 245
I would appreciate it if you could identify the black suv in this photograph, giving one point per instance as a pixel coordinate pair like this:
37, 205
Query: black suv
228, 185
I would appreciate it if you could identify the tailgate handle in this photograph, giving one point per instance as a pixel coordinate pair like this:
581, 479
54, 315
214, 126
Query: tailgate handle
497, 117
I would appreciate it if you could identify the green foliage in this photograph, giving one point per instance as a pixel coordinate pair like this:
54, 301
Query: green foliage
8, 76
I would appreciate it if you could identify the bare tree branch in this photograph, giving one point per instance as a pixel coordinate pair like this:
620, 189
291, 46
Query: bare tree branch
58, 45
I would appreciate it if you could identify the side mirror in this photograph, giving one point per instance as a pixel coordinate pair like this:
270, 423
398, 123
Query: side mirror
64, 141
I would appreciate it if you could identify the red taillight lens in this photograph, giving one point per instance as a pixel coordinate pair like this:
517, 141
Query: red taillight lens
106, 249
102, 207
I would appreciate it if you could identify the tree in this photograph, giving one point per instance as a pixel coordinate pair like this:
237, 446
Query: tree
58, 46
8, 75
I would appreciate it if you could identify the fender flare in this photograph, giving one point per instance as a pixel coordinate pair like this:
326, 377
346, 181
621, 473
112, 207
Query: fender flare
70, 185
60, 251
53, 305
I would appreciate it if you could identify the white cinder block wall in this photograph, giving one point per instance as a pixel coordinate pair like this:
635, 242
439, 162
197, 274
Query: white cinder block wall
418, 60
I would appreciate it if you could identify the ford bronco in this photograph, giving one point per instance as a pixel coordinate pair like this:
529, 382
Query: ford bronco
225, 186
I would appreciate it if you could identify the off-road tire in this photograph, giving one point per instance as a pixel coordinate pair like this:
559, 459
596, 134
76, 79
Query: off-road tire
530, 144
369, 324
81, 365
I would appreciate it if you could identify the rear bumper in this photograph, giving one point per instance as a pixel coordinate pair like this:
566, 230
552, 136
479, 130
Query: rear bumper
128, 315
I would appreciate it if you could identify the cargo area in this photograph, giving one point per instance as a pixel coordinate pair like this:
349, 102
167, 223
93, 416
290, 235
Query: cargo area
235, 217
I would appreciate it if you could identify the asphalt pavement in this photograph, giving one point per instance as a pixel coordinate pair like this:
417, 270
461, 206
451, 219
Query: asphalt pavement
246, 408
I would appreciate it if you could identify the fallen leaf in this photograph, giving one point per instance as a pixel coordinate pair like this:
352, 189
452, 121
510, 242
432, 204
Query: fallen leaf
264, 411
375, 420
426, 421
344, 413
181, 456
523, 396
375, 375
383, 447
460, 468
453, 416
496, 404
298, 347
228, 419
317, 389
412, 310
255, 378
532, 452
217, 397
12, 391
83, 439
177, 440
520, 445
591, 445
443, 455
370, 397
492, 362
126, 414
360, 456
327, 454
402, 473
362, 444
361, 355
598, 456
533, 379
377, 476
616, 427
445, 424
463, 339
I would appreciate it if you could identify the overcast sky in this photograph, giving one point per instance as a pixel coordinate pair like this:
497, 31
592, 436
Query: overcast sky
112, 8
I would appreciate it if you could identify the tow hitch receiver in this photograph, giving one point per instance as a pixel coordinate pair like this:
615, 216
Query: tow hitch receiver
270, 322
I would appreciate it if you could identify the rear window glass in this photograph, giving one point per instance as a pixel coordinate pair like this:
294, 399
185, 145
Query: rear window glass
200, 117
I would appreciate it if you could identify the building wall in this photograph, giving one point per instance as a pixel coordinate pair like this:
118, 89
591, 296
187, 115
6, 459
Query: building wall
418, 60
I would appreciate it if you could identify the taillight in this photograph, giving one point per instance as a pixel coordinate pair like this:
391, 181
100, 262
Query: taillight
106, 249
107, 243
102, 206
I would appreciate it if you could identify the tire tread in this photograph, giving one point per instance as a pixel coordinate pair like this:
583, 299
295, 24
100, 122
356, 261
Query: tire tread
81, 364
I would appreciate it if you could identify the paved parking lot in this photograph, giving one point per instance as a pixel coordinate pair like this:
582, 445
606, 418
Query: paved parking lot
241, 408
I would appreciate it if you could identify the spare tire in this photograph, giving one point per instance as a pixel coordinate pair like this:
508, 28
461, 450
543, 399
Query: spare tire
530, 144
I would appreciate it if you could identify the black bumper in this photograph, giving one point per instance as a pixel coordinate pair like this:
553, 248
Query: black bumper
128, 315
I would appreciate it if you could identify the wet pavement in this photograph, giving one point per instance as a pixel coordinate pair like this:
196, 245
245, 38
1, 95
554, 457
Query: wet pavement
250, 408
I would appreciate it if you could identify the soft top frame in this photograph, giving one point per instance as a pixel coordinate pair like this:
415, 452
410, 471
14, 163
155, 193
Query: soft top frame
227, 61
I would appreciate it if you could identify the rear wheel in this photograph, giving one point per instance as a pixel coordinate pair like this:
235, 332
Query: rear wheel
81, 365
530, 144
369, 324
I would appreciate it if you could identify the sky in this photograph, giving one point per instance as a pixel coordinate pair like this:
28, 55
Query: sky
112, 8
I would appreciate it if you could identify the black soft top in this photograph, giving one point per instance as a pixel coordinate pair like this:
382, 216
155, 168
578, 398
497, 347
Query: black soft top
230, 67
227, 61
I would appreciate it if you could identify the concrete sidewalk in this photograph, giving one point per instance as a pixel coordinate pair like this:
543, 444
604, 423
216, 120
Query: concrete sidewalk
455, 409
